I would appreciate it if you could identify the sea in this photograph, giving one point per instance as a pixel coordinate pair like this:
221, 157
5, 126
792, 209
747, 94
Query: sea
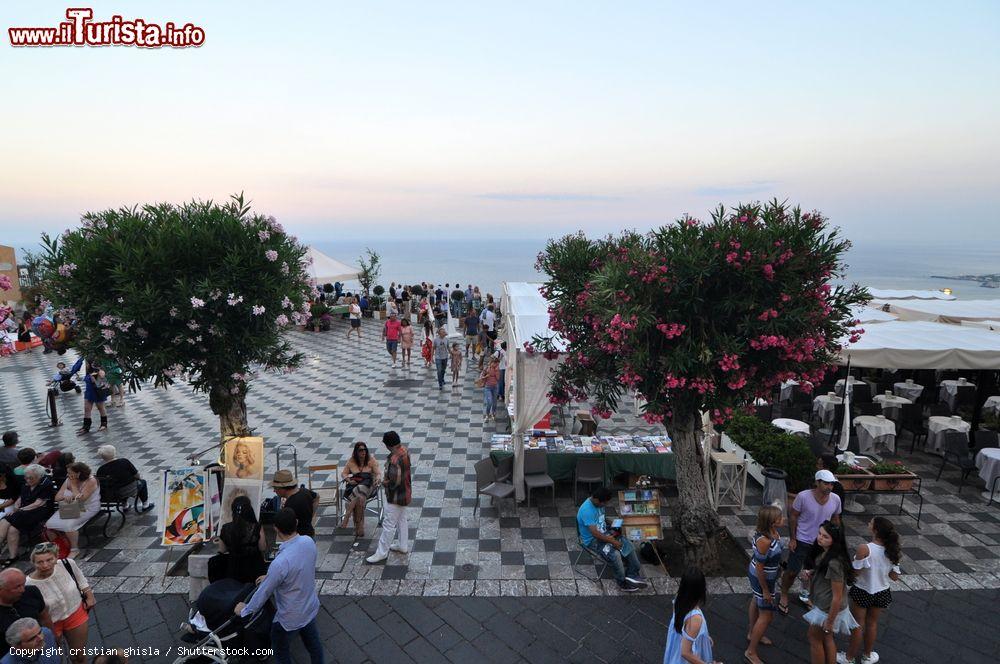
488, 263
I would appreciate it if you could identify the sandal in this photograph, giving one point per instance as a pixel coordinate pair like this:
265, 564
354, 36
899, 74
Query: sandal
783, 608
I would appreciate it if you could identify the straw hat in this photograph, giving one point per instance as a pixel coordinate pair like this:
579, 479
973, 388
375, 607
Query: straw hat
283, 479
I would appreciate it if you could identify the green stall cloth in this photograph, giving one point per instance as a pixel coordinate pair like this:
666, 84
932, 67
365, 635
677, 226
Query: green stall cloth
339, 309
562, 465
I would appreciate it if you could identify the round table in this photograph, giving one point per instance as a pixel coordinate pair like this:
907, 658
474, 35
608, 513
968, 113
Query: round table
789, 425
949, 391
992, 405
825, 405
839, 386
911, 391
988, 462
890, 403
937, 425
875, 431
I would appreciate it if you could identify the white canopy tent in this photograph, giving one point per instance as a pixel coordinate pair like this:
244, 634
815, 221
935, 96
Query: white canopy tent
326, 270
924, 345
955, 312
993, 325
525, 315
870, 315
887, 294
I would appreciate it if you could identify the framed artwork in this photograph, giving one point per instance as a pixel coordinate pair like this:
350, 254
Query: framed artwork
183, 515
245, 458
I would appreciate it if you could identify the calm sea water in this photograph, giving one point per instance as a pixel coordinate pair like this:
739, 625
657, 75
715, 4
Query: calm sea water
488, 263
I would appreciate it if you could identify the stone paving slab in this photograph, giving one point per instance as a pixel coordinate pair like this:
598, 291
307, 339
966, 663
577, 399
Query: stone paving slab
922, 626
347, 391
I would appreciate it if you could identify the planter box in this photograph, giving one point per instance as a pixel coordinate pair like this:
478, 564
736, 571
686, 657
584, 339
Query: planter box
860, 481
902, 482
754, 469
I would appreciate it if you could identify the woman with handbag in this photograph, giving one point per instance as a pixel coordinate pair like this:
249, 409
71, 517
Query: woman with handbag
95, 393
33, 508
67, 595
361, 478
79, 500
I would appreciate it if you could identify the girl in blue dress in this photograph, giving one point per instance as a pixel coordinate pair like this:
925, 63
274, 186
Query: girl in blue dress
765, 564
687, 637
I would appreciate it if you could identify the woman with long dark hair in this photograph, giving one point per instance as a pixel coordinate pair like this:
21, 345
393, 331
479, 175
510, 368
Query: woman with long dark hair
876, 562
361, 477
242, 545
687, 637
828, 591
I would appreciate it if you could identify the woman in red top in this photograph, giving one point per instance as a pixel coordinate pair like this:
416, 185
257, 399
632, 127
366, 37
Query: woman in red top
390, 332
406, 341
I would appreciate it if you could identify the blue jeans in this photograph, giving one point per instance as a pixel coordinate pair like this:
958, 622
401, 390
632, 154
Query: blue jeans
489, 400
442, 366
281, 641
503, 376
620, 559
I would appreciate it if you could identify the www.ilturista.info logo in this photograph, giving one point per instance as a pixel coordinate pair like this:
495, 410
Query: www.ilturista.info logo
82, 30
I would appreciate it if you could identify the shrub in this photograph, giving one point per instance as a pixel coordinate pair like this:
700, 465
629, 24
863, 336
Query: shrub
889, 468
771, 447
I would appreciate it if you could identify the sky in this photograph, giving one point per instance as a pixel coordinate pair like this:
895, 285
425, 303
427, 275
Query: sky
515, 119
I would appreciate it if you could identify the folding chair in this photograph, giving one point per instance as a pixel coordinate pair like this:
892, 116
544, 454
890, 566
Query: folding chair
328, 494
598, 559
487, 484
536, 475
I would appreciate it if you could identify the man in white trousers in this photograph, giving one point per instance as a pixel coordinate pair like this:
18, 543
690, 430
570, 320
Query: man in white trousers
396, 482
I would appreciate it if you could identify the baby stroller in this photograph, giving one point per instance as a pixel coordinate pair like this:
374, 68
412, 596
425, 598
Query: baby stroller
215, 631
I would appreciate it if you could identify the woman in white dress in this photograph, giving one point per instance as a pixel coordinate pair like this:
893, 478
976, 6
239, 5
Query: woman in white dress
82, 487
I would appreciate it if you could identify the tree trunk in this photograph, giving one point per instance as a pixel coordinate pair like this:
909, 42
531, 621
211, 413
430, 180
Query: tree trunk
695, 518
232, 412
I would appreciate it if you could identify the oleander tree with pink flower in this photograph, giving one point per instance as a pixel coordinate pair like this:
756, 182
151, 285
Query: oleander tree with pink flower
698, 318
201, 292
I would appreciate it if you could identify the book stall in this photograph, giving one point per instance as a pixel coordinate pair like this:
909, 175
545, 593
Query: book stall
638, 455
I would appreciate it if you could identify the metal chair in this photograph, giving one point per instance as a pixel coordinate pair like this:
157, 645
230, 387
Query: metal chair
965, 395
911, 418
589, 470
536, 473
985, 438
763, 413
377, 509
487, 485
861, 393
939, 410
328, 495
505, 469
598, 559
956, 450
837, 424
867, 409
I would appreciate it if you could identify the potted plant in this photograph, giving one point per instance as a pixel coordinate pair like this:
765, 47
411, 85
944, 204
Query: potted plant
317, 313
892, 476
853, 478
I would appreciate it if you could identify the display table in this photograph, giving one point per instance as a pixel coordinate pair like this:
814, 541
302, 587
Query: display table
788, 425
949, 391
890, 403
875, 431
825, 405
908, 389
562, 465
937, 425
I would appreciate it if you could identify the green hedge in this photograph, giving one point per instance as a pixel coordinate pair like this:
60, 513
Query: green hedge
771, 447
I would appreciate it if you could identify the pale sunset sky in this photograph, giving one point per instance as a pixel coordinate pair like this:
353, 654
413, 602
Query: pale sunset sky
525, 119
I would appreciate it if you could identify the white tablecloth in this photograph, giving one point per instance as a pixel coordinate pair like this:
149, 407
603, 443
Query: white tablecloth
937, 425
988, 462
949, 390
839, 387
791, 426
874, 431
911, 391
824, 406
890, 403
786, 390
992, 405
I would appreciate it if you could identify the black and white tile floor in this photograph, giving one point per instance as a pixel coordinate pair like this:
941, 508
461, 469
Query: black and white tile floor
346, 391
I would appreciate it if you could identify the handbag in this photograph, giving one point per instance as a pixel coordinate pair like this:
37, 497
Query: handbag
70, 510
480, 382
76, 582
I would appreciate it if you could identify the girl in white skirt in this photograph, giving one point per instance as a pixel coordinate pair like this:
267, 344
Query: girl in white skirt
877, 563
82, 487
828, 592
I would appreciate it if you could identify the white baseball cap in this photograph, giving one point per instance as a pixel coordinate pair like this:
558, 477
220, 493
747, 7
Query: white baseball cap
825, 476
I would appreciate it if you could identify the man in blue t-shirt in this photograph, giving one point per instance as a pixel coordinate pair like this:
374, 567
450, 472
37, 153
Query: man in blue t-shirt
618, 552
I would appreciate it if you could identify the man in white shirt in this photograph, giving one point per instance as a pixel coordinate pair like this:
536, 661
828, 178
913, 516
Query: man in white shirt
489, 320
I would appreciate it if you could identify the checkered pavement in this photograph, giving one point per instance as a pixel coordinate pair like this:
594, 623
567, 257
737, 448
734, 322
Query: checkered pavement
348, 391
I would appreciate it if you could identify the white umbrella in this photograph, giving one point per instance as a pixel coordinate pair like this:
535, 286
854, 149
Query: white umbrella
326, 270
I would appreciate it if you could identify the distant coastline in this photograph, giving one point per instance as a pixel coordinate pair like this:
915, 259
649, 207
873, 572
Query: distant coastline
985, 280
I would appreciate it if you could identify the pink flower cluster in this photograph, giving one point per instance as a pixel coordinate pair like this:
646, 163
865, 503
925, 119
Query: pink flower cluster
630, 378
729, 362
671, 330
701, 385
600, 413
654, 418
271, 255
720, 416
197, 303
5, 283
768, 314
768, 271
257, 310
66, 269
